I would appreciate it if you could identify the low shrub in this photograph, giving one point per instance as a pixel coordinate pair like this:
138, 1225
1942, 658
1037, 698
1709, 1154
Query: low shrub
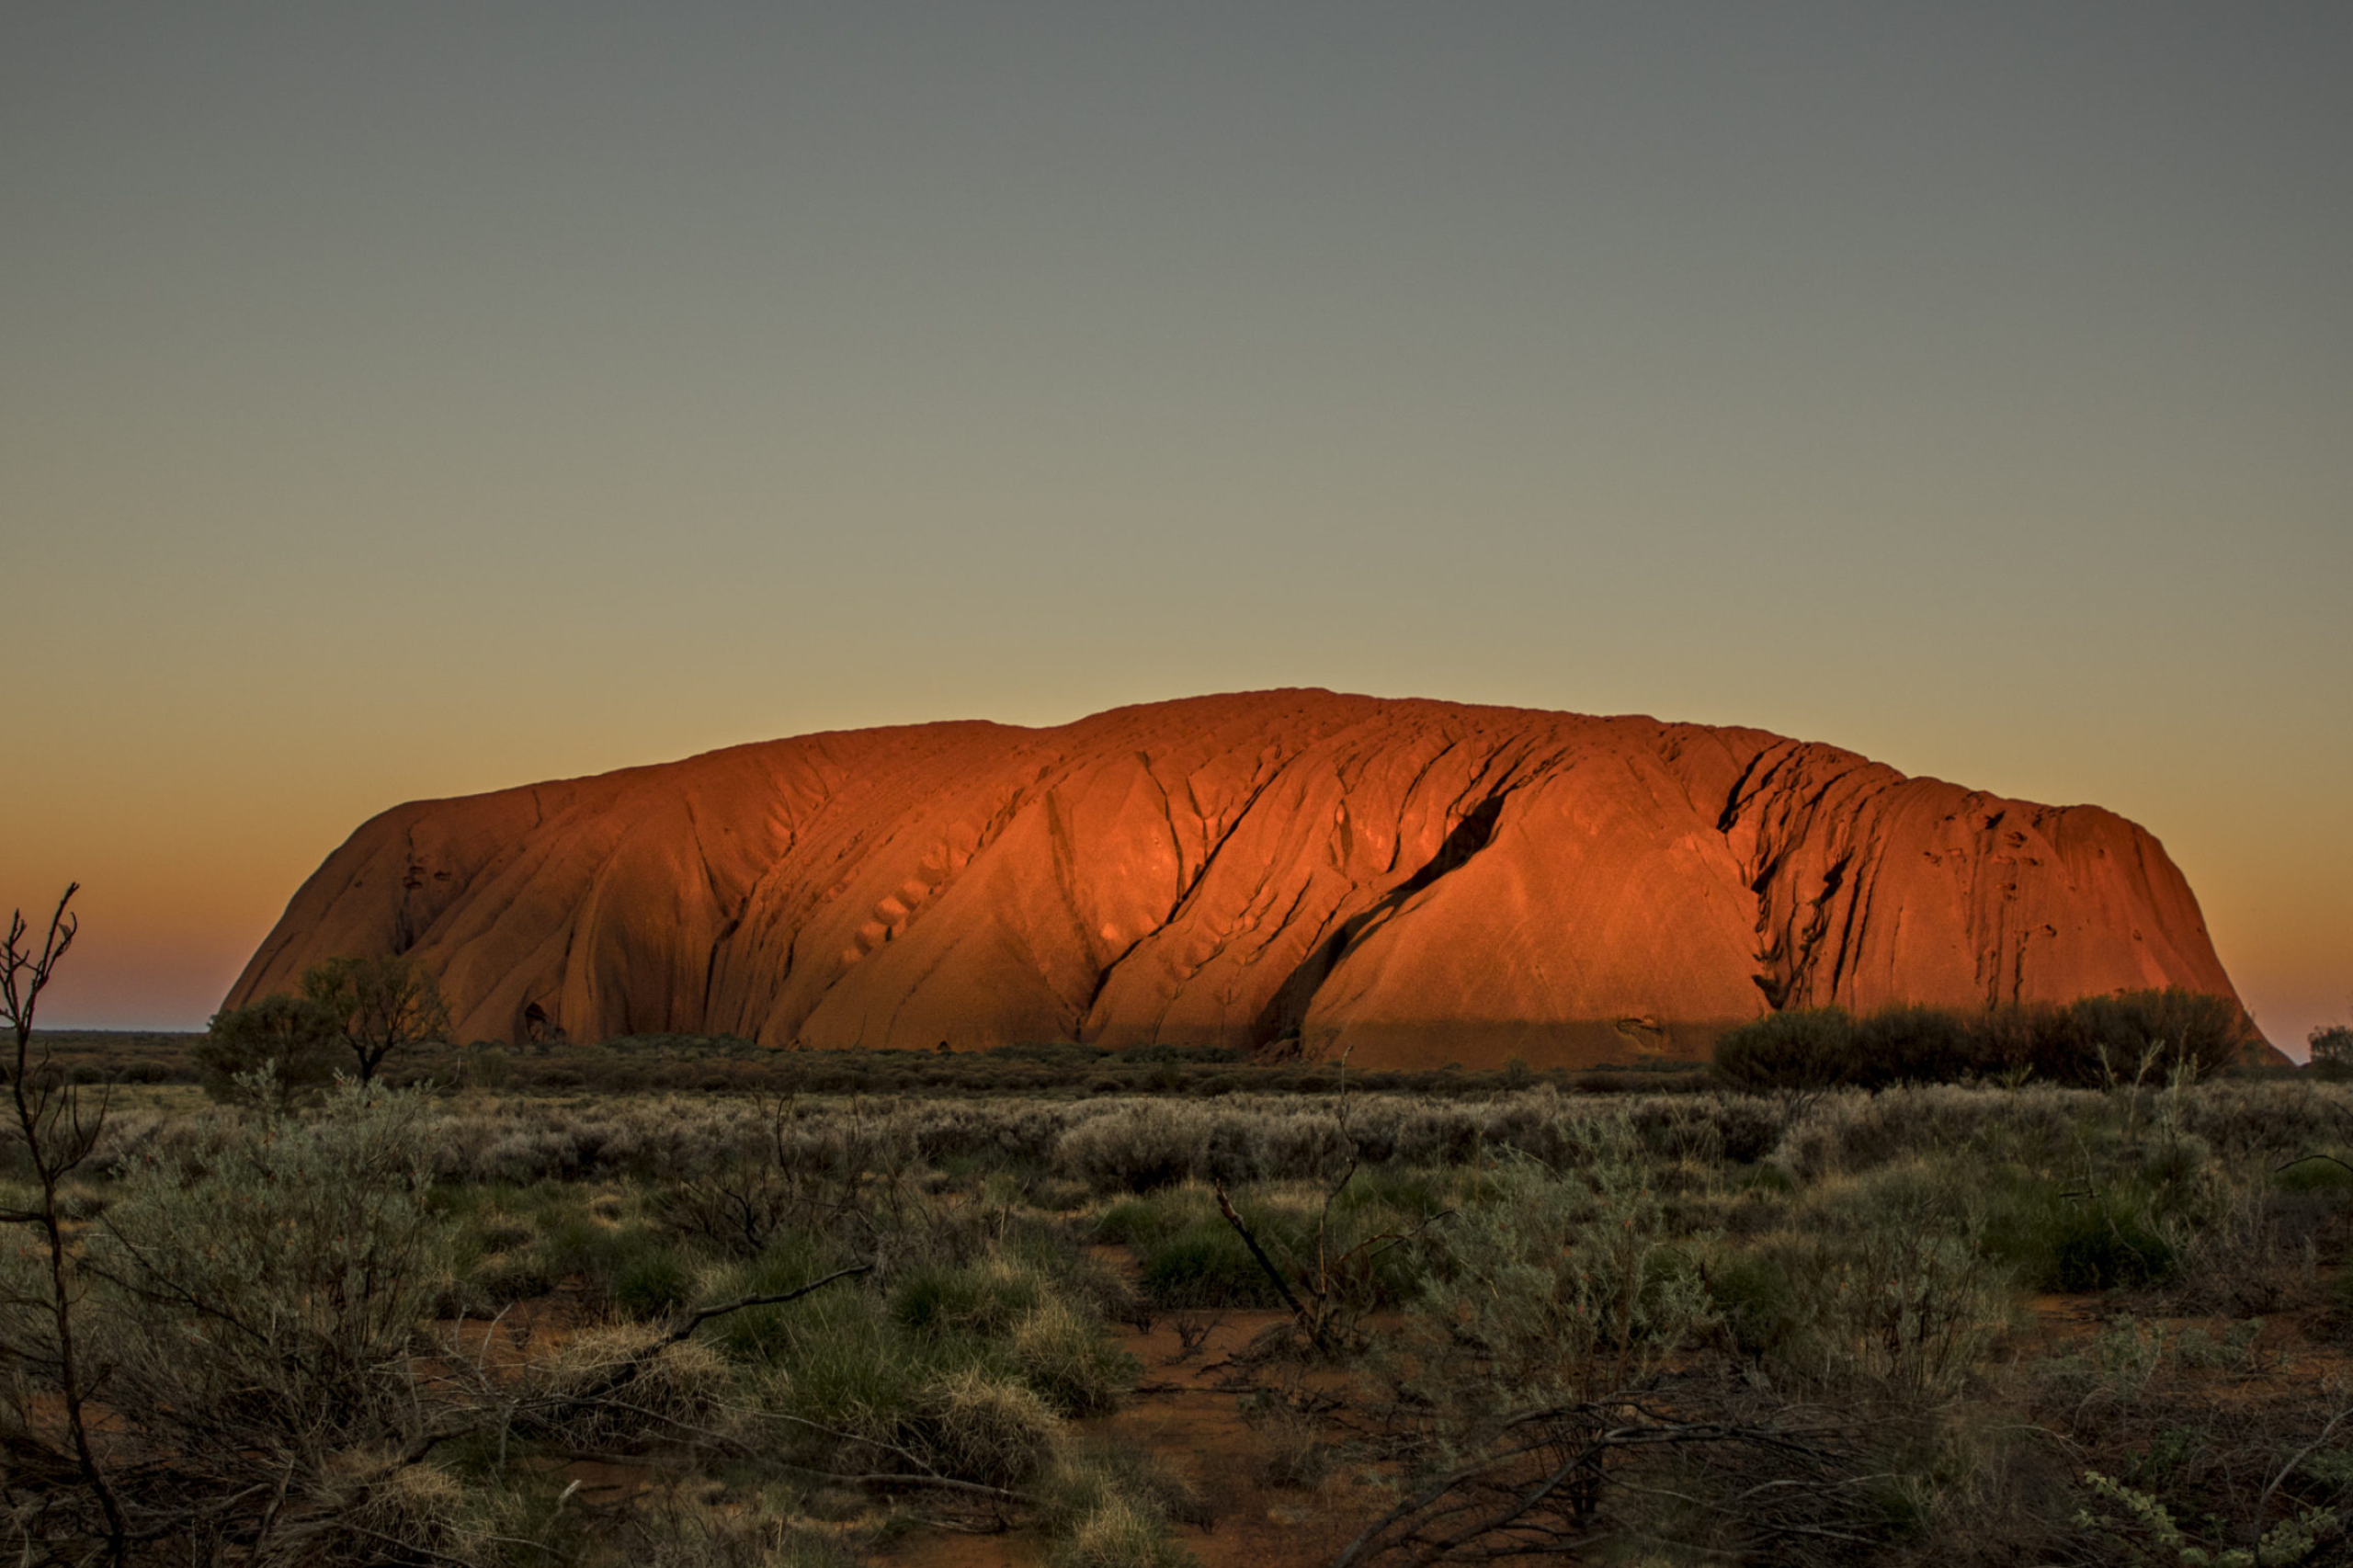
1139, 1221
850, 1380
1187, 1256
633, 1266
1146, 1146
1561, 1284
501, 1279
653, 1283
765, 1334
1891, 1281
1117, 1532
2314, 1172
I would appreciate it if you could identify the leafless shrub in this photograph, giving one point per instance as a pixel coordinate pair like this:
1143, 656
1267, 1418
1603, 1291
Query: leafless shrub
43, 1285
1192, 1330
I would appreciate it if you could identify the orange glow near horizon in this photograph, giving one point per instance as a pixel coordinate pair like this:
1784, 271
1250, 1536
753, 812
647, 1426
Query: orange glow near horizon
403, 403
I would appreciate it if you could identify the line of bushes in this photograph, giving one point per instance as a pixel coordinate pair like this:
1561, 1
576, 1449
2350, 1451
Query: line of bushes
2129, 1037
719, 1064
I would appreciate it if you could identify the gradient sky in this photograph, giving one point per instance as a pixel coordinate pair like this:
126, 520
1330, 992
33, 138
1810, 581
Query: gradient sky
412, 400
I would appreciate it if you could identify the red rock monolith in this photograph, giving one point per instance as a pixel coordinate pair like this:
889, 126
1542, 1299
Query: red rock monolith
1412, 883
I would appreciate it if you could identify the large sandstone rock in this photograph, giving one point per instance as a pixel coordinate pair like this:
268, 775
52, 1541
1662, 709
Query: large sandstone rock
1416, 882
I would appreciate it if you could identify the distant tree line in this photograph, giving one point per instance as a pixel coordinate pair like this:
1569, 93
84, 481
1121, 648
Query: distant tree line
2129, 1037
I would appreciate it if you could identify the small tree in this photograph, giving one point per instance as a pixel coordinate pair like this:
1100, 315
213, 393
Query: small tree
42, 1286
290, 1036
378, 1007
2332, 1050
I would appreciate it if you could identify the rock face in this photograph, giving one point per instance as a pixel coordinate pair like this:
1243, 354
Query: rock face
1414, 883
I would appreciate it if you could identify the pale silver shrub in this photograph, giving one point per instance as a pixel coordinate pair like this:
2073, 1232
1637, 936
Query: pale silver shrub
1892, 1284
261, 1316
2272, 1120
1558, 1284
1857, 1130
1142, 1142
286, 1277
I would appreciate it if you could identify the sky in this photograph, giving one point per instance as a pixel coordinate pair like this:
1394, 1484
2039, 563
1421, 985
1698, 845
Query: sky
405, 401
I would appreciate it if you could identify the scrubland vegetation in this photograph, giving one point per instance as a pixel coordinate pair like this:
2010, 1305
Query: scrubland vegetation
2012, 1322
385, 1325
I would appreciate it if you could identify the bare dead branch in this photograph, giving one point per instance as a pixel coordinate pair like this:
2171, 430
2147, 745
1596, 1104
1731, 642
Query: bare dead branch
701, 1315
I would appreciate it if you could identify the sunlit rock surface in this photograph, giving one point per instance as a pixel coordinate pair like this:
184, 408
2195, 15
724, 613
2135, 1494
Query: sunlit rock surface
1413, 882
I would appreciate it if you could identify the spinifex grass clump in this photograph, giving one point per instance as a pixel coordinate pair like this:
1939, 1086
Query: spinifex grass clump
1186, 1255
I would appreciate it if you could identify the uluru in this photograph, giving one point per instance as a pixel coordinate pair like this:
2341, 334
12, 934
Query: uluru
1411, 883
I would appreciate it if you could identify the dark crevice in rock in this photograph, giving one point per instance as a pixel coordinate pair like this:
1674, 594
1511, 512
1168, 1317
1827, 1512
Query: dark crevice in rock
1287, 1009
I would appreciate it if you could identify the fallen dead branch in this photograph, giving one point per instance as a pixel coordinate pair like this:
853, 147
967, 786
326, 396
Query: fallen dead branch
1543, 1485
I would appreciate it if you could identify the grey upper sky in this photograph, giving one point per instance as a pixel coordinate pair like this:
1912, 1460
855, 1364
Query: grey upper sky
404, 399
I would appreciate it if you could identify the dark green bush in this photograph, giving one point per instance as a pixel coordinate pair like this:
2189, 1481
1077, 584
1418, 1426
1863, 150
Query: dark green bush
2035, 1039
1138, 1222
2314, 1172
2100, 1248
292, 1037
2129, 1037
2332, 1049
1219, 1054
2166, 1030
765, 1334
2057, 1241
506, 1277
1917, 1045
1805, 1047
1754, 1300
631, 1267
